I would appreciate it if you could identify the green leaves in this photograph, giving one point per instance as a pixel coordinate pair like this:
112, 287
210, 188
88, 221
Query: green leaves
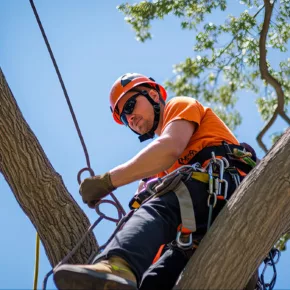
225, 57
281, 244
192, 11
267, 106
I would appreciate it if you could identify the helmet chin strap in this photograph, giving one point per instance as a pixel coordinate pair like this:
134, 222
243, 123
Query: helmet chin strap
150, 134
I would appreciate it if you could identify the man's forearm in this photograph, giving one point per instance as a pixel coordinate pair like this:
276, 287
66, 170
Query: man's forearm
155, 158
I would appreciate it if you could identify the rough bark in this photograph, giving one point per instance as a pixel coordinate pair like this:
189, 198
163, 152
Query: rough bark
247, 228
38, 188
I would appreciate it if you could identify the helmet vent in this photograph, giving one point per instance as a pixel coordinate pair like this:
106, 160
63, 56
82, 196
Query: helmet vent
127, 78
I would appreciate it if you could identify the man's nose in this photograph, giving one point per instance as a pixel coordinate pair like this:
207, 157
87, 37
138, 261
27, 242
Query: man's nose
130, 119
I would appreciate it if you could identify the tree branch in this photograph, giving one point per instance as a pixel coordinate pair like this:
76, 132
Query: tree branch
247, 227
265, 74
38, 188
285, 117
265, 129
263, 54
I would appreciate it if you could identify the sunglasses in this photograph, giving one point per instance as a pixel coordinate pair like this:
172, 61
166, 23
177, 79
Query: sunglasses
129, 108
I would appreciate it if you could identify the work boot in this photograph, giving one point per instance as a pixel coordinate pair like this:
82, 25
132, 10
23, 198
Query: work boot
113, 273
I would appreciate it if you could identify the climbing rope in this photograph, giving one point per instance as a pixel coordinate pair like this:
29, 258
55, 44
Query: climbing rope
36, 264
271, 260
115, 202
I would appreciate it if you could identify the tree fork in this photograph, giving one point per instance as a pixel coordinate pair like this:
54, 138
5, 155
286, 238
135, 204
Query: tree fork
38, 188
247, 228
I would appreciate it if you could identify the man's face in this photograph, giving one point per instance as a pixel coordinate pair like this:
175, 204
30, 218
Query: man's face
142, 117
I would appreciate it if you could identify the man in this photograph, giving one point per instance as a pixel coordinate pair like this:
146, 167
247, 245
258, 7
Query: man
186, 131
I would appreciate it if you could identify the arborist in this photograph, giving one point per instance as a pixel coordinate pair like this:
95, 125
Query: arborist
187, 174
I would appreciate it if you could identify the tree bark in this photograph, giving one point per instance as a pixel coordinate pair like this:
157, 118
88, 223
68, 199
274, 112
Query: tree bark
247, 228
38, 188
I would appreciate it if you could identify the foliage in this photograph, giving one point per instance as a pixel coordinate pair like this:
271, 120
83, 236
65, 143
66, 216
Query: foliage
276, 136
225, 57
281, 244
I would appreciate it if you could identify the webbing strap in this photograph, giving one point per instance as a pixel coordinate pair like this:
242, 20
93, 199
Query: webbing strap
221, 150
201, 176
186, 207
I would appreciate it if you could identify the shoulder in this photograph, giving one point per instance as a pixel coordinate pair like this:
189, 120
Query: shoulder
182, 100
182, 108
182, 104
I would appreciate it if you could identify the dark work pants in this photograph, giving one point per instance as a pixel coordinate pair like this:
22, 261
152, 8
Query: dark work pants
155, 223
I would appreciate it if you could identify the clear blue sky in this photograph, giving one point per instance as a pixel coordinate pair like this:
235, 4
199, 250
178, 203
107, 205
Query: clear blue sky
93, 46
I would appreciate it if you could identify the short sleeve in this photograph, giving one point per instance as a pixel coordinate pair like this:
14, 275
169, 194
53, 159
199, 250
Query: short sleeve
182, 108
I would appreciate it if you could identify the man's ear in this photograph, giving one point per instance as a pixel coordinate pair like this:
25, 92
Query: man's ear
154, 95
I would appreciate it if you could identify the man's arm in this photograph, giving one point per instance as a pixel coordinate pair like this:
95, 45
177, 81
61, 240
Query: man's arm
157, 156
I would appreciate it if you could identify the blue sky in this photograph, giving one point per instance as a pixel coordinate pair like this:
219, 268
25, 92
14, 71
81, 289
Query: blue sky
93, 46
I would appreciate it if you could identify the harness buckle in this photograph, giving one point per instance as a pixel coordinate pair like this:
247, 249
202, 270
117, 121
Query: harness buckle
180, 240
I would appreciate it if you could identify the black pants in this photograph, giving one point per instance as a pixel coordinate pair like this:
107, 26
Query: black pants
164, 273
155, 223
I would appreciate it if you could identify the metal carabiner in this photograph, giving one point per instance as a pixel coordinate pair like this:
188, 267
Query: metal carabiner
225, 160
210, 178
236, 179
183, 244
221, 173
225, 194
223, 163
209, 200
216, 186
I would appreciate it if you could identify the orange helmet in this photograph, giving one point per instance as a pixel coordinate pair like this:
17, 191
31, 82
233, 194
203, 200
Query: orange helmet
124, 84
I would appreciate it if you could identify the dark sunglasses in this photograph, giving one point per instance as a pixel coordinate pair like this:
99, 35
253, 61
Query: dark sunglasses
129, 108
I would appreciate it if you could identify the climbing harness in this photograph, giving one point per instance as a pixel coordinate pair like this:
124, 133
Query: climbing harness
212, 173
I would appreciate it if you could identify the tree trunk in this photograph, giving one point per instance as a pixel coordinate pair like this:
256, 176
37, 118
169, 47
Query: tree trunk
244, 232
38, 188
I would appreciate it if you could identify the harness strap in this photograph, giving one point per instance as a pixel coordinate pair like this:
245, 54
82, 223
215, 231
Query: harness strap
225, 150
186, 207
201, 176
158, 255
184, 199
165, 186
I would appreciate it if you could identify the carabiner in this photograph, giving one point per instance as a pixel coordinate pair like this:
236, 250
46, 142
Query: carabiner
183, 244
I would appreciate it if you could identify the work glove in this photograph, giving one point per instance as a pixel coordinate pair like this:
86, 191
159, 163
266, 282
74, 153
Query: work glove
93, 189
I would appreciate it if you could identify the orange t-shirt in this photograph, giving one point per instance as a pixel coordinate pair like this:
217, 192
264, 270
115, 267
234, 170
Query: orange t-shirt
211, 130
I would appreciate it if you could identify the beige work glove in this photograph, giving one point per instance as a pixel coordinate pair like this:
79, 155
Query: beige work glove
93, 189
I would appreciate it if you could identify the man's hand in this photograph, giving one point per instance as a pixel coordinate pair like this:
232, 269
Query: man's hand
93, 189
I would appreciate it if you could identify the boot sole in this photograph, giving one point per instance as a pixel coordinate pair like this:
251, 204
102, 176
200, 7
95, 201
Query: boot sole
70, 277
